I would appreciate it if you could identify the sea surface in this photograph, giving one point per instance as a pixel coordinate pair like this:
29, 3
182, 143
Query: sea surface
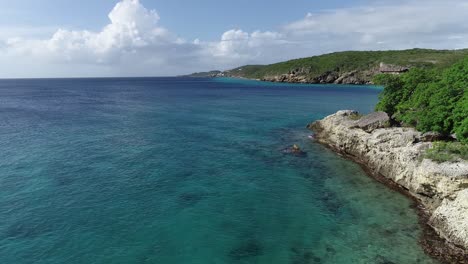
178, 170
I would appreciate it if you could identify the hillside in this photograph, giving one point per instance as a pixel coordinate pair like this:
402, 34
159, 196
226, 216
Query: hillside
204, 74
349, 67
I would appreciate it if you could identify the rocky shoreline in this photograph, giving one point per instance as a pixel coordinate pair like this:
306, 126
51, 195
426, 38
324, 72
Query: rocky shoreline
305, 76
331, 77
393, 155
336, 76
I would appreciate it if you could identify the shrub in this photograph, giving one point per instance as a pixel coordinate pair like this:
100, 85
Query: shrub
428, 100
447, 151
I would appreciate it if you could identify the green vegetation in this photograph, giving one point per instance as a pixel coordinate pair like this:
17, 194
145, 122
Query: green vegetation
428, 99
447, 151
203, 74
356, 116
342, 62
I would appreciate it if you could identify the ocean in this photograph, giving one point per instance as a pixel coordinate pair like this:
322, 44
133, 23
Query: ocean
183, 170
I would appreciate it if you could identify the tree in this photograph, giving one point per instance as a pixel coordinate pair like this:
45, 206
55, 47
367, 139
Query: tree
428, 100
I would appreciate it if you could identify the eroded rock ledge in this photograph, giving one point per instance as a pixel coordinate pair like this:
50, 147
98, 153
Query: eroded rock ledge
336, 76
396, 154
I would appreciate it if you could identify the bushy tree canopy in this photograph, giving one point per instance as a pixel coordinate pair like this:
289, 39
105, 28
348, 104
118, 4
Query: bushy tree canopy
429, 100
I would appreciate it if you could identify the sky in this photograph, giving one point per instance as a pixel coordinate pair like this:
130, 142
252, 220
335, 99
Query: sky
106, 38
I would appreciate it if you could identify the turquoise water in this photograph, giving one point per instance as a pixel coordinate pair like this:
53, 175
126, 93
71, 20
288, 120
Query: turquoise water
173, 170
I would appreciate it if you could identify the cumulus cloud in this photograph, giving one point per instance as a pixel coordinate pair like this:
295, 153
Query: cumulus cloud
131, 40
237, 46
134, 43
132, 27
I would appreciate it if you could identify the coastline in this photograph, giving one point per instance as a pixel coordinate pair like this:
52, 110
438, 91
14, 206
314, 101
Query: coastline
264, 82
293, 81
437, 239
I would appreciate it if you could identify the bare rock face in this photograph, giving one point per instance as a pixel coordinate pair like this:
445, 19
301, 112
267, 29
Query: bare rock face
373, 121
451, 218
389, 68
336, 77
431, 136
396, 154
333, 75
347, 113
352, 77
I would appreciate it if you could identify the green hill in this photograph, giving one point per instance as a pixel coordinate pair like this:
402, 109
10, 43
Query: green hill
204, 74
353, 67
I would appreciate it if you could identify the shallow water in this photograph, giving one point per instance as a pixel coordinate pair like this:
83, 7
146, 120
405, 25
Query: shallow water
173, 170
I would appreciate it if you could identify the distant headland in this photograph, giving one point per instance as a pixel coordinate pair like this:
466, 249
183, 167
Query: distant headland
348, 67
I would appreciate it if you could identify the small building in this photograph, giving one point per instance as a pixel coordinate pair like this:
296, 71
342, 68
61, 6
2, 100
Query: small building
392, 69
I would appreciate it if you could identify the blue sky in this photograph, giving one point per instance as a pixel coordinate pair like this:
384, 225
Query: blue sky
65, 38
205, 19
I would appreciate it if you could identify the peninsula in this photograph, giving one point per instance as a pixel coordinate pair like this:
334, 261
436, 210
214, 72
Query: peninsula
348, 67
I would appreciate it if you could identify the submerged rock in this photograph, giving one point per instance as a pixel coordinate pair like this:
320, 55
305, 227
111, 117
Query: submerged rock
249, 249
302, 255
295, 150
190, 199
383, 260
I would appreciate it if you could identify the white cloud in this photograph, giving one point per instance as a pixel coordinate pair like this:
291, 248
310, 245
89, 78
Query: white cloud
405, 24
132, 27
134, 43
240, 44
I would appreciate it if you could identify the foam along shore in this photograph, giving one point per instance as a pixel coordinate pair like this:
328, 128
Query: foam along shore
395, 154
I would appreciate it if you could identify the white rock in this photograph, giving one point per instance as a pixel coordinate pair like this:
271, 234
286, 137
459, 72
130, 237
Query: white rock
396, 154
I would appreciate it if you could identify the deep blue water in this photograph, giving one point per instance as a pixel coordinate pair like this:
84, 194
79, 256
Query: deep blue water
174, 170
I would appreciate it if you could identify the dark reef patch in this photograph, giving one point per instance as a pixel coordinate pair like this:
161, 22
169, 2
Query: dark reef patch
249, 249
383, 260
333, 205
23, 230
304, 256
190, 199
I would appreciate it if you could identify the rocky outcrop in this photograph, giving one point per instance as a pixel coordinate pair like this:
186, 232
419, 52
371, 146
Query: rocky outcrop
352, 77
295, 150
397, 154
326, 78
373, 121
432, 136
336, 76
451, 218
390, 68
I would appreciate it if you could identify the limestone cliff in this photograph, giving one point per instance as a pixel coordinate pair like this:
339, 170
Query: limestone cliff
396, 154
337, 76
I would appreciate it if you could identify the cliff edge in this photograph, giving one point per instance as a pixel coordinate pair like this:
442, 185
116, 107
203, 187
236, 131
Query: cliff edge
396, 153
